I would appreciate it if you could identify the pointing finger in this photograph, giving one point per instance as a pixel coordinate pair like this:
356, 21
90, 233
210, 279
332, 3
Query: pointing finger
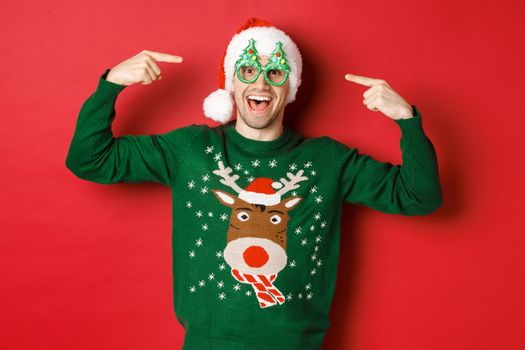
362, 80
163, 57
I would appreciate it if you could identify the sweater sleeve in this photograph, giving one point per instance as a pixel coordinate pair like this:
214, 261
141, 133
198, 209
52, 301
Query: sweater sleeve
412, 188
95, 155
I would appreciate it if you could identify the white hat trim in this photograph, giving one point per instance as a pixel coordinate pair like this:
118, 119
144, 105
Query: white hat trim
260, 198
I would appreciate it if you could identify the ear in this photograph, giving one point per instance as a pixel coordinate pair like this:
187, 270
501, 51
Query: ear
225, 198
291, 202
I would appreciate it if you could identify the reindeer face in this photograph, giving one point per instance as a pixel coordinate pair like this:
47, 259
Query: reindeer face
257, 234
255, 220
256, 240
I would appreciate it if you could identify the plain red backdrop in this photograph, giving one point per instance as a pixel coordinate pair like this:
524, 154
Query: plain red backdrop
88, 266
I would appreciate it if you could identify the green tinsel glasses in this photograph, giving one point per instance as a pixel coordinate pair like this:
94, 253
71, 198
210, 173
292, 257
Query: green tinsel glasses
249, 68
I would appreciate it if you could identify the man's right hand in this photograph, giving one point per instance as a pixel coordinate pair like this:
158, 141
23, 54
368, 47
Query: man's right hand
140, 68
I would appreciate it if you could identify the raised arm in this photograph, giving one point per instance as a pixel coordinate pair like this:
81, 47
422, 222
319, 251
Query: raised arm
95, 155
412, 188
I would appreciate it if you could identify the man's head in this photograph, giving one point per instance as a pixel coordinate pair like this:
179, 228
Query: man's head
260, 90
261, 63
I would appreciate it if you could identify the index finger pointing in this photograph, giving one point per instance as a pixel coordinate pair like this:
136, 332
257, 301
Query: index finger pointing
362, 80
163, 57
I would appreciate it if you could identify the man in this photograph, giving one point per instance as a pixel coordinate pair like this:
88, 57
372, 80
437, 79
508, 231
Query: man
256, 206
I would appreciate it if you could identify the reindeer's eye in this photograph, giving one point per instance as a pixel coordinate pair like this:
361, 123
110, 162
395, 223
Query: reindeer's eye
243, 216
275, 219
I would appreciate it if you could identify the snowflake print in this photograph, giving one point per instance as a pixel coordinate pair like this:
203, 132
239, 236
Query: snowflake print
188, 204
298, 230
192, 289
292, 263
313, 271
222, 267
222, 296
300, 296
191, 184
314, 256
198, 242
319, 262
319, 199
204, 190
217, 156
202, 283
208, 149
250, 179
256, 163
294, 194
313, 173
238, 166
246, 172
317, 216
308, 164
236, 287
293, 166
218, 254
198, 213
220, 284
313, 189
211, 276
192, 253
205, 227
304, 241
289, 296
248, 293
272, 163
316, 248
210, 214
312, 228
308, 286
205, 177
224, 216
318, 239
323, 224
309, 296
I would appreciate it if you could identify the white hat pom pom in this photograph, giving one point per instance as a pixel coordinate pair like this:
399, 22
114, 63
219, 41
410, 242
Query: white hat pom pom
218, 106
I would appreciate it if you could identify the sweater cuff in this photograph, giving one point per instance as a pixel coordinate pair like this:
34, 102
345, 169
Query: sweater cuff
107, 89
412, 128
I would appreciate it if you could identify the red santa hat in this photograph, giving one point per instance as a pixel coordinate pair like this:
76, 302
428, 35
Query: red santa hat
219, 104
262, 191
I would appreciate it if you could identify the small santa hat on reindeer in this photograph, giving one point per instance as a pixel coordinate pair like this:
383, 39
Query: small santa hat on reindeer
219, 104
262, 191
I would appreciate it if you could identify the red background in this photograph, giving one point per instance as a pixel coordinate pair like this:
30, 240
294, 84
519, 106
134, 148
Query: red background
88, 266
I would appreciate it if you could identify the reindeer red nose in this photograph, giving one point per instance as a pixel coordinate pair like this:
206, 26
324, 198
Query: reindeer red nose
255, 256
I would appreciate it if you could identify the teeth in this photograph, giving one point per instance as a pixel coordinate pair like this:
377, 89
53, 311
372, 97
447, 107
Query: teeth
259, 98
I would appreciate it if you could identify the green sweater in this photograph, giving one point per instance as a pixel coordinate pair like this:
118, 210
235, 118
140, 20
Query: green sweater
255, 223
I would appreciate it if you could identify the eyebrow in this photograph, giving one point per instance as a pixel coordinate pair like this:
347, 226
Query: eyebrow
244, 209
275, 211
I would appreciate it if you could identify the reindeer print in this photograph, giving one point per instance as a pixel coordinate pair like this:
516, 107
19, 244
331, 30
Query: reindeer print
256, 237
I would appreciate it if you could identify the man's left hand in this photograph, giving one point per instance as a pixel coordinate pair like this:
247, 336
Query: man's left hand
381, 97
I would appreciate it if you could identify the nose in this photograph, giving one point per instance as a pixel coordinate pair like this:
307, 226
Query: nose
261, 83
255, 256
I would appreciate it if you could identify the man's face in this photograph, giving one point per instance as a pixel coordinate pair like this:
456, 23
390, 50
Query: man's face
260, 114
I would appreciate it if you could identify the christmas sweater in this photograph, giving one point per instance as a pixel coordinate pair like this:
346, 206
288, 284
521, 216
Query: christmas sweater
256, 224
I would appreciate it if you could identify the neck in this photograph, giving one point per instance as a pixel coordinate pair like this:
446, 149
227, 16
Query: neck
269, 133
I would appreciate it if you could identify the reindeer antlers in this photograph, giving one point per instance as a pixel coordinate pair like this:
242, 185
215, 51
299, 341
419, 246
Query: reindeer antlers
226, 178
292, 184
229, 180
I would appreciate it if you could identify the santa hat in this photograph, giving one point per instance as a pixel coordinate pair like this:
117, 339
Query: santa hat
262, 191
219, 104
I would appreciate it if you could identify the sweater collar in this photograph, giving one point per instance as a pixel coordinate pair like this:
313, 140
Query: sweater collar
283, 142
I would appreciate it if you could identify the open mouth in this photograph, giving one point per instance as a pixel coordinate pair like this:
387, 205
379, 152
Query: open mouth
259, 103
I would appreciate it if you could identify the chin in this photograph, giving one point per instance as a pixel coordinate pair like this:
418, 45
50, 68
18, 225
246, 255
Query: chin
258, 122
